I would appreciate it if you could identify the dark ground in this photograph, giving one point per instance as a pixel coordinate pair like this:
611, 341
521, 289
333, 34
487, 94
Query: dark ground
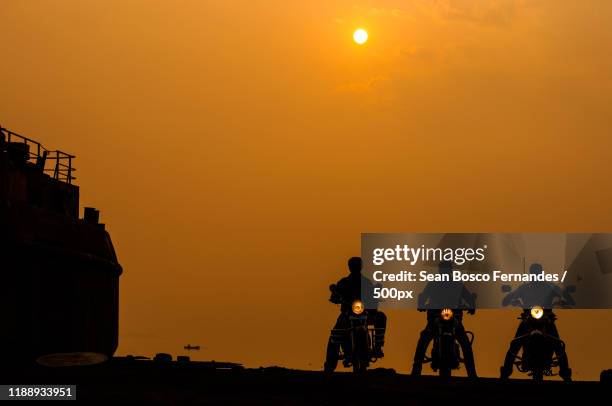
148, 382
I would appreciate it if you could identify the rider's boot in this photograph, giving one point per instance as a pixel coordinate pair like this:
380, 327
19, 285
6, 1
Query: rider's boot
565, 371
416, 369
468, 359
505, 372
331, 358
329, 367
566, 374
471, 372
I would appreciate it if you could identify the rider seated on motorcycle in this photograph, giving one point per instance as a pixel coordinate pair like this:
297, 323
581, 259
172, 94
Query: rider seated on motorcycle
542, 294
347, 290
435, 297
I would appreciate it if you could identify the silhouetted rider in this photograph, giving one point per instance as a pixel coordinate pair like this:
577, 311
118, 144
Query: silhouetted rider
347, 290
435, 297
528, 295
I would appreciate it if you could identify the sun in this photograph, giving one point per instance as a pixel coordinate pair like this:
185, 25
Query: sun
360, 36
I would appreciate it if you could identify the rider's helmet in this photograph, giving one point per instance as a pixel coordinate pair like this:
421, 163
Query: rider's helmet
445, 267
354, 264
535, 269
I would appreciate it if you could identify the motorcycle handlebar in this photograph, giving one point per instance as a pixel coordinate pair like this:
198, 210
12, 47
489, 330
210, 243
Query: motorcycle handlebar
470, 311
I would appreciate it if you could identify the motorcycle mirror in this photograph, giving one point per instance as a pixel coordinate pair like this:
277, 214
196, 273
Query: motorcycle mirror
506, 288
571, 289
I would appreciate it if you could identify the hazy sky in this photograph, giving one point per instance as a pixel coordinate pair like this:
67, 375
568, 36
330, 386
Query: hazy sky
237, 149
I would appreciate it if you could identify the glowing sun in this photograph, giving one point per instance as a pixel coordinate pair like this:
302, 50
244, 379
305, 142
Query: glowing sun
360, 36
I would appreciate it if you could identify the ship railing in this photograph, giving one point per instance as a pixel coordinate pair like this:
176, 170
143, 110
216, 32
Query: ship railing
57, 163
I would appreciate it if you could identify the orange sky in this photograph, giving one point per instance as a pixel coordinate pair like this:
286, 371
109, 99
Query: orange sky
238, 149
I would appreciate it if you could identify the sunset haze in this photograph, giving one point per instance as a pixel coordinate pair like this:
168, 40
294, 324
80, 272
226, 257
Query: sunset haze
238, 149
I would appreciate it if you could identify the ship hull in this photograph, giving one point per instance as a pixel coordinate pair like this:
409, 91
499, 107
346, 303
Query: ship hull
60, 291
59, 272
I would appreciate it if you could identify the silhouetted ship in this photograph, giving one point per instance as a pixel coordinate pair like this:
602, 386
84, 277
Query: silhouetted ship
60, 275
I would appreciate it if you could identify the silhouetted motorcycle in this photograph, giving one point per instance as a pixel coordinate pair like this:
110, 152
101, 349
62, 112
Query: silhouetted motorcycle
538, 356
445, 352
356, 341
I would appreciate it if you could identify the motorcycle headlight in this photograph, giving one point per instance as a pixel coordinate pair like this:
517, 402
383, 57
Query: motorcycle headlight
357, 307
537, 312
446, 314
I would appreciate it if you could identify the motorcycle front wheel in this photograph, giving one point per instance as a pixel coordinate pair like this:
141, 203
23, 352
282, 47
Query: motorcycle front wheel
359, 367
537, 375
447, 355
444, 372
360, 352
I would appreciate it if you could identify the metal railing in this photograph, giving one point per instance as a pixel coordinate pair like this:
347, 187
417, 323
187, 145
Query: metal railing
57, 162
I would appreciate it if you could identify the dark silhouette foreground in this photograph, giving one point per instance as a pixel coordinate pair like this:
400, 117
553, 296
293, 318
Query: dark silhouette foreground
121, 382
